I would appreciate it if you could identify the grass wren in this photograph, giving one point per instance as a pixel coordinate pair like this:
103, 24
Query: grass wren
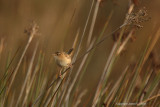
63, 59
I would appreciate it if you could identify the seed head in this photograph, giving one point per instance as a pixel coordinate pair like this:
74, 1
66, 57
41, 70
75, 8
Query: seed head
32, 29
137, 18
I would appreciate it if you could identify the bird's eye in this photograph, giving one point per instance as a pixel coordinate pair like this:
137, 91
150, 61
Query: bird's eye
58, 53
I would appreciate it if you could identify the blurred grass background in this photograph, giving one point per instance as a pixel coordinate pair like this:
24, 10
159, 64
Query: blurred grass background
59, 21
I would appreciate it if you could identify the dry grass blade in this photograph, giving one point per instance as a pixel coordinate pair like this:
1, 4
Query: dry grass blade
5, 75
112, 52
80, 97
84, 31
77, 74
78, 49
100, 84
116, 88
79, 45
30, 86
85, 27
125, 42
91, 54
12, 100
97, 44
27, 76
135, 75
148, 78
6, 70
30, 78
111, 60
145, 101
75, 41
119, 86
93, 22
1, 46
66, 84
45, 90
32, 32
153, 86
152, 44
155, 100
59, 84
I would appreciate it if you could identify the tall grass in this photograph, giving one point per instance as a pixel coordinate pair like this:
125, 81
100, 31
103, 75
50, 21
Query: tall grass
39, 88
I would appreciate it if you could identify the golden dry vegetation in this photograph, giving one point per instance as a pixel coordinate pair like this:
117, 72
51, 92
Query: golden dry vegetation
116, 58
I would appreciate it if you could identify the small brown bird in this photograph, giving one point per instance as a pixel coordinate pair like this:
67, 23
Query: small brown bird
63, 59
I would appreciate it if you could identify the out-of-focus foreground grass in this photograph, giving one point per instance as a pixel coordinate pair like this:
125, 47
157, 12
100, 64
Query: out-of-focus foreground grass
123, 66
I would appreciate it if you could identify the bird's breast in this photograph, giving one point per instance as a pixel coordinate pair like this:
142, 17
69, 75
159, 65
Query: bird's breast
65, 62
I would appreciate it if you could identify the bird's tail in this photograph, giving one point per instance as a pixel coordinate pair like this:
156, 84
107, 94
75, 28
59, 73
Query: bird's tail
70, 52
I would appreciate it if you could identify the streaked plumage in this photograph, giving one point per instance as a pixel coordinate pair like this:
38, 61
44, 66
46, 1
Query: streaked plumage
63, 59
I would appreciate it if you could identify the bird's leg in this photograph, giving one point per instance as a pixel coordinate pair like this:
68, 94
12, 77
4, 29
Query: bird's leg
63, 70
60, 72
70, 66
